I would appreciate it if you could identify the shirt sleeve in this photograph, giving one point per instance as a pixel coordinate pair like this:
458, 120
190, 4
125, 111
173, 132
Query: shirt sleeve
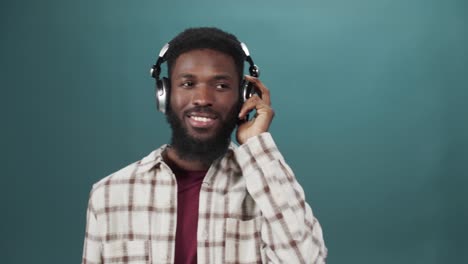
92, 243
290, 231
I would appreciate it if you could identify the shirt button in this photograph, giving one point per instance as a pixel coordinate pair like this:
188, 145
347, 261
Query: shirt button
163, 257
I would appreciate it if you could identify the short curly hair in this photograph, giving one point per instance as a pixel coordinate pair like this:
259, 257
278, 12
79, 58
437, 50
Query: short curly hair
206, 38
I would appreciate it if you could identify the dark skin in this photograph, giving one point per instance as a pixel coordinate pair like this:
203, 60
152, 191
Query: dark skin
209, 78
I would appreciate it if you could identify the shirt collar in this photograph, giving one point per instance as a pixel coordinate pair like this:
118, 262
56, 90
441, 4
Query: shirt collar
155, 158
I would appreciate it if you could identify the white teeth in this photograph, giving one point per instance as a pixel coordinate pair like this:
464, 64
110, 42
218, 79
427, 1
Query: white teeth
200, 118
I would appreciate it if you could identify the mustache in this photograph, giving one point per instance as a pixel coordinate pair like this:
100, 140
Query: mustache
201, 109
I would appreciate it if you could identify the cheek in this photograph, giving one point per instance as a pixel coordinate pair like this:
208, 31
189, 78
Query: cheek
176, 101
231, 102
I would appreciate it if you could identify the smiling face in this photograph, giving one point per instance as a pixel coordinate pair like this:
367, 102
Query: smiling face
204, 103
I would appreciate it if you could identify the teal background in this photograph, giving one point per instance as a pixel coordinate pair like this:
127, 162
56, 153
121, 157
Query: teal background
370, 100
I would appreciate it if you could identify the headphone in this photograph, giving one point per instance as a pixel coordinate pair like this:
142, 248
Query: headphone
163, 84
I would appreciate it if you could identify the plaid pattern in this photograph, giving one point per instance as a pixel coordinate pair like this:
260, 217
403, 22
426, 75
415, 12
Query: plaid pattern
252, 210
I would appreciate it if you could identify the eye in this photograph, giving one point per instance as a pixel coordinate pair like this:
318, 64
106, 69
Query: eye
222, 86
187, 84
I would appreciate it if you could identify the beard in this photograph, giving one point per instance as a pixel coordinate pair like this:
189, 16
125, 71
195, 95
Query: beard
206, 150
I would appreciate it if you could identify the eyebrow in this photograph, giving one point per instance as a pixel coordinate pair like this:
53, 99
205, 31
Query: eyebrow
185, 76
223, 76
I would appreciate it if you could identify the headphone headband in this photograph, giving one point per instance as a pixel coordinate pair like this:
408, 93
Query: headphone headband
156, 69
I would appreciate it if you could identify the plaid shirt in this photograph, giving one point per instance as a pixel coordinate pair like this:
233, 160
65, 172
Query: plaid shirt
252, 210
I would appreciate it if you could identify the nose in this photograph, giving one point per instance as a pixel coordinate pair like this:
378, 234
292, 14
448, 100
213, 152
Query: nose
203, 96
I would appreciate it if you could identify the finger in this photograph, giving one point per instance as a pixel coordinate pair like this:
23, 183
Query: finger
249, 105
258, 104
259, 85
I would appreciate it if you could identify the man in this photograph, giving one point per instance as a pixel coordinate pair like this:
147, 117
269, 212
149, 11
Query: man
202, 199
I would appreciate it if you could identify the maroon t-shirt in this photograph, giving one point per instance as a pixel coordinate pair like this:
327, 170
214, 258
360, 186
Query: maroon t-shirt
188, 193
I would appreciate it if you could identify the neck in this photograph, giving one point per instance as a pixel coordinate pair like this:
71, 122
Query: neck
173, 160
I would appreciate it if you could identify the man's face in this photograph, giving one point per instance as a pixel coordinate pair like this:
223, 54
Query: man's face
204, 102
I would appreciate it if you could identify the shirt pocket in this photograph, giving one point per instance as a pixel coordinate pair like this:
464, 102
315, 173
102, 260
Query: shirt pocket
243, 241
126, 252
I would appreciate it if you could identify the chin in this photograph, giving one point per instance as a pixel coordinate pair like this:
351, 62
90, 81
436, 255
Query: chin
203, 137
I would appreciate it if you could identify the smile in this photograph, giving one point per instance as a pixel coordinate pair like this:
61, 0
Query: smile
201, 120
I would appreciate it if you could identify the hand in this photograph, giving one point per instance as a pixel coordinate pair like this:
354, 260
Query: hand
264, 113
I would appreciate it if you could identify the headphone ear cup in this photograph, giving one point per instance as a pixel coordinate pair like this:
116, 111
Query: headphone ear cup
246, 90
161, 94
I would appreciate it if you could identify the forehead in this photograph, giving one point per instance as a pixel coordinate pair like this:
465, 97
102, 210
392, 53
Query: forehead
204, 61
